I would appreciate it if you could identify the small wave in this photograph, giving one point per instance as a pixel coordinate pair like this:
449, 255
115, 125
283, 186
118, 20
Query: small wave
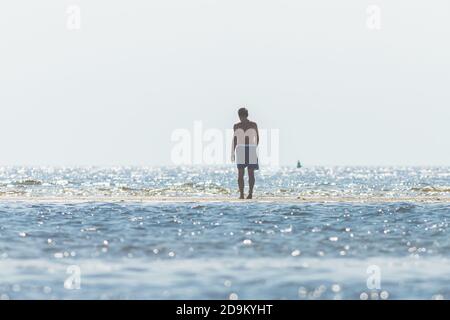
188, 188
128, 189
12, 193
28, 182
404, 208
431, 189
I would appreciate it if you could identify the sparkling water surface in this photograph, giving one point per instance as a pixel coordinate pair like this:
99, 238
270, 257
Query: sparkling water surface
217, 250
220, 181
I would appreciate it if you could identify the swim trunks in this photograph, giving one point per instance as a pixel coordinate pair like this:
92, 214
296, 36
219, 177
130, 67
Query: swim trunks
246, 156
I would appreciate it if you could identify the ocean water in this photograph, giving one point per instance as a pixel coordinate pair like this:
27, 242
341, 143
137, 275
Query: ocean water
127, 182
313, 233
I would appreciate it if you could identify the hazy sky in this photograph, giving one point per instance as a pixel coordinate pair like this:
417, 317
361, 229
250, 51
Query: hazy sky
113, 92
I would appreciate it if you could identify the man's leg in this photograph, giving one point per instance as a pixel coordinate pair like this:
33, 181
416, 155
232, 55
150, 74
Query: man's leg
251, 182
241, 172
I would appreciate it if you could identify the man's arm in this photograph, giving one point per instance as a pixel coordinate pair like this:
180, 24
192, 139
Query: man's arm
257, 134
234, 143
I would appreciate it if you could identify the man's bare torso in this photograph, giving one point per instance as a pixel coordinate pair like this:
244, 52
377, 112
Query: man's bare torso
245, 125
249, 133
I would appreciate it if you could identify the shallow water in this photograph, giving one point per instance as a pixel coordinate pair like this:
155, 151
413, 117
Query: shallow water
213, 250
221, 181
217, 250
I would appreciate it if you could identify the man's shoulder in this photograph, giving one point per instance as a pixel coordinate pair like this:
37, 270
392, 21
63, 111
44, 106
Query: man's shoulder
248, 125
239, 125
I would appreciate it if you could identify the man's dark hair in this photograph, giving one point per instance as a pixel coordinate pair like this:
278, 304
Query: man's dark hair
242, 112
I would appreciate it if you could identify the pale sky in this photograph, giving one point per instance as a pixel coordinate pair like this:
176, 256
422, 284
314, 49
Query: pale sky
112, 92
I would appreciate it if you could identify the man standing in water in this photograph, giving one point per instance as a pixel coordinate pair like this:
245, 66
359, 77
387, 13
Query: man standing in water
245, 142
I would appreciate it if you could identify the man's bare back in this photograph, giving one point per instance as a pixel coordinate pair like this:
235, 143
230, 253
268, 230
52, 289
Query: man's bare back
245, 125
247, 151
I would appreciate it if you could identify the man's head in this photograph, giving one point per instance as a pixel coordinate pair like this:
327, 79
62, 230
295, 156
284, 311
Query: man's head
243, 114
